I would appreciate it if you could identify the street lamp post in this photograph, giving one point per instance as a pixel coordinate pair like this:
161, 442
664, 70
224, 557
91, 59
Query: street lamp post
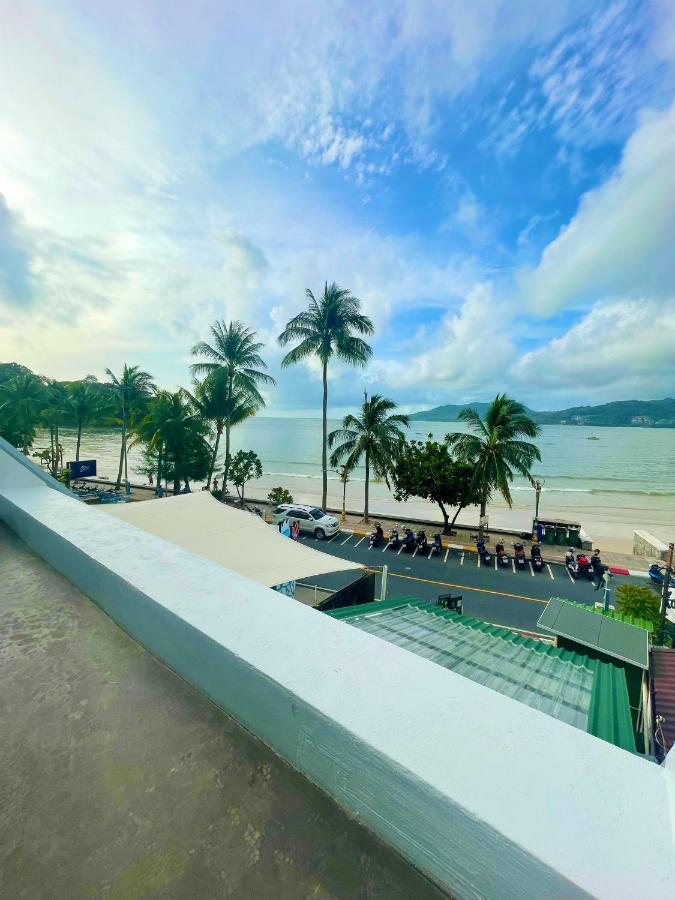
537, 485
664, 594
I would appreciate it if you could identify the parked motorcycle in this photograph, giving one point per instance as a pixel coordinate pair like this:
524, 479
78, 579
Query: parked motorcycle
486, 559
377, 536
422, 543
502, 557
519, 556
394, 539
437, 546
409, 542
535, 558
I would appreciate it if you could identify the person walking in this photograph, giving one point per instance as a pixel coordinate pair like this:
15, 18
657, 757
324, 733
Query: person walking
295, 530
598, 570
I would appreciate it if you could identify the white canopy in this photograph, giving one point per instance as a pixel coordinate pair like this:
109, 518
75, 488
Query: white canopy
234, 538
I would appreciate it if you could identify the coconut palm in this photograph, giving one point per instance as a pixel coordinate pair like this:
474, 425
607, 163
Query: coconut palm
374, 435
495, 447
21, 401
216, 405
235, 351
55, 413
86, 404
131, 389
326, 329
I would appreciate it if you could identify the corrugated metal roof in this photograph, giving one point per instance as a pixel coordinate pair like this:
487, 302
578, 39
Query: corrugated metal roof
663, 682
608, 635
613, 614
586, 693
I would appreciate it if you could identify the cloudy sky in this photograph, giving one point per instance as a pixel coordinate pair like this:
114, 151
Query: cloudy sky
495, 180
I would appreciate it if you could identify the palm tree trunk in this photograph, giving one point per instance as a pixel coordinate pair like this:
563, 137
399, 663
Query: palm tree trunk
226, 470
124, 440
219, 431
79, 438
56, 445
176, 484
483, 507
365, 504
126, 473
324, 461
159, 467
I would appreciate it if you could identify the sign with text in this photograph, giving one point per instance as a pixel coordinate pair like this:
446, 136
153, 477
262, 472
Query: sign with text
84, 468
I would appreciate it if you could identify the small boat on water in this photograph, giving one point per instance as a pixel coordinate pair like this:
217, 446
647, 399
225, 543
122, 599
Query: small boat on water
592, 437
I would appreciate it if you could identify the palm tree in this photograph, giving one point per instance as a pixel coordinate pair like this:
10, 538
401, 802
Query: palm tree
21, 401
375, 436
215, 405
325, 329
86, 404
235, 351
131, 388
55, 413
495, 448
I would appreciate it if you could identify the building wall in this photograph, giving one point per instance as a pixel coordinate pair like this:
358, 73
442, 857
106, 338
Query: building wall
487, 796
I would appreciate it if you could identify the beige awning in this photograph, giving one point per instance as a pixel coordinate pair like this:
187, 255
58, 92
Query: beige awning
238, 540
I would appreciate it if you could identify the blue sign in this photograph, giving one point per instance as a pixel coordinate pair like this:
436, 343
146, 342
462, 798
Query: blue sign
82, 469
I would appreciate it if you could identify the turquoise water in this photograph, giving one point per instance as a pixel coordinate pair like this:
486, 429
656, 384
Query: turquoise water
623, 480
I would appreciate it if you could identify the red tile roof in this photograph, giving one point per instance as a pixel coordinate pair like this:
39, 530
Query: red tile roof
663, 680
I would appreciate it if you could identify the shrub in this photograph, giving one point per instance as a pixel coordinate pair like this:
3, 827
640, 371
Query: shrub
279, 495
638, 601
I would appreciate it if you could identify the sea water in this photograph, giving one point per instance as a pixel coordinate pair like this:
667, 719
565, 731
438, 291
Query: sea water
622, 481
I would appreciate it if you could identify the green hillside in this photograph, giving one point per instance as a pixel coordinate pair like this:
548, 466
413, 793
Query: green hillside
626, 413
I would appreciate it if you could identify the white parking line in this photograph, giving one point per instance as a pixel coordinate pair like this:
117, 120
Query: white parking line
569, 575
415, 552
361, 541
342, 543
495, 563
513, 565
445, 558
386, 546
478, 560
550, 572
399, 550
461, 562
334, 536
531, 569
431, 553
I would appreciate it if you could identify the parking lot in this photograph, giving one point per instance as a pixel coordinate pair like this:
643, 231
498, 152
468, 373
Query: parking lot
511, 597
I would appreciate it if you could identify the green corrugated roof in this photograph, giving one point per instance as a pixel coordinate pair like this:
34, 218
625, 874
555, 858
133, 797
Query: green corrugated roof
608, 635
584, 692
613, 614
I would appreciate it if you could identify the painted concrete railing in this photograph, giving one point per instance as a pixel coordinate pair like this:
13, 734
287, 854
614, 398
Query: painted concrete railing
487, 796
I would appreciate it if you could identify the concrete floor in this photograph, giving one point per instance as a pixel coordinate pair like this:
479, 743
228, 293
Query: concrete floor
118, 780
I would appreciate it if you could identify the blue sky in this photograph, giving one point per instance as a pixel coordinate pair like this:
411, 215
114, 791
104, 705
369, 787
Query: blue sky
494, 180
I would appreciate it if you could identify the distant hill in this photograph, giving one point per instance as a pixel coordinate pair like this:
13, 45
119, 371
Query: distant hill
626, 413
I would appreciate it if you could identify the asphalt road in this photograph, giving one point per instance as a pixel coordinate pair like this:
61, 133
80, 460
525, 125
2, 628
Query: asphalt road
507, 597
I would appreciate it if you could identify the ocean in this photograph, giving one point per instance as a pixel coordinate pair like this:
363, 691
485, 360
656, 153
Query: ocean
622, 481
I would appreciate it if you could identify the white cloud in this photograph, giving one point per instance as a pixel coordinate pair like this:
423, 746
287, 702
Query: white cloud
618, 350
621, 239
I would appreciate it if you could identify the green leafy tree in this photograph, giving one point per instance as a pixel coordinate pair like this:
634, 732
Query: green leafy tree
132, 389
326, 329
638, 601
87, 405
244, 467
495, 447
222, 408
235, 351
279, 495
426, 469
374, 436
22, 399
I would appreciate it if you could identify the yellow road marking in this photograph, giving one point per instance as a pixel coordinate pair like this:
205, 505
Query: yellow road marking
467, 587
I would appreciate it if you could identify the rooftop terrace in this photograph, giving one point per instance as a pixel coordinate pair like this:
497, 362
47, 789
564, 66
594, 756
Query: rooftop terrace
119, 779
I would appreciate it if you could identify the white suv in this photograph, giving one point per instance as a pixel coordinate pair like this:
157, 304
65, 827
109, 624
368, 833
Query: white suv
309, 518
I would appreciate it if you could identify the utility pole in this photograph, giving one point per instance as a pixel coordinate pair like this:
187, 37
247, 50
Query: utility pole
664, 592
343, 474
537, 485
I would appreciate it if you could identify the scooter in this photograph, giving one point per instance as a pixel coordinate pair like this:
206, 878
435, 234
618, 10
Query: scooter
535, 558
657, 573
502, 558
486, 559
394, 539
409, 542
519, 555
437, 546
422, 543
376, 537
584, 568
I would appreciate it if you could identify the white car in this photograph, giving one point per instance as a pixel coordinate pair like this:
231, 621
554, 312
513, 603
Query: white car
310, 519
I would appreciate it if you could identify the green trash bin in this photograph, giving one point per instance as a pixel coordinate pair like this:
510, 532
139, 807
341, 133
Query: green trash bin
574, 536
549, 534
561, 534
